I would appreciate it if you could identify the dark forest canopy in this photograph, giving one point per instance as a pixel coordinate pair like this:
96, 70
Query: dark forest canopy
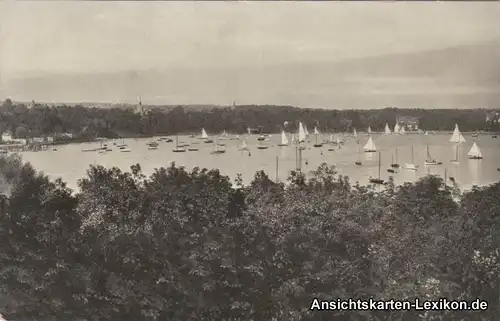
181, 245
110, 122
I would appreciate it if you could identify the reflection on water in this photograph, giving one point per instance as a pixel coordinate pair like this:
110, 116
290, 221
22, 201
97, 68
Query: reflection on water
70, 163
474, 168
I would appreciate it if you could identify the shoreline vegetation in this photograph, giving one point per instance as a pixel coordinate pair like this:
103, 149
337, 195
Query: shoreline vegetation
85, 124
180, 245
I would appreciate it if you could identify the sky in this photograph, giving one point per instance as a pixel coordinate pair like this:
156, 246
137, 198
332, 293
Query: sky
204, 39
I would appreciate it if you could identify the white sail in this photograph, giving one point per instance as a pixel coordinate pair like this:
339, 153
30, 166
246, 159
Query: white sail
402, 130
243, 146
203, 133
370, 145
369, 130
316, 131
305, 131
302, 133
284, 140
224, 134
355, 133
293, 138
426, 133
396, 128
474, 151
457, 136
387, 129
249, 131
337, 140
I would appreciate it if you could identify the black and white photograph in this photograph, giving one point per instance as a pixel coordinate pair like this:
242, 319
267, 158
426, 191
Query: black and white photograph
249, 160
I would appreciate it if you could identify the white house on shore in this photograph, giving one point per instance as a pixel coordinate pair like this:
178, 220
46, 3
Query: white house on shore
6, 137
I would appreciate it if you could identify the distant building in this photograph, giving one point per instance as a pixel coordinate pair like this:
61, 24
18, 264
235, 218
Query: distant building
7, 137
493, 117
22, 141
409, 123
141, 109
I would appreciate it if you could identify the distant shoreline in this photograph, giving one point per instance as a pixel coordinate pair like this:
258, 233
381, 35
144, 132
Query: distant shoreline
275, 133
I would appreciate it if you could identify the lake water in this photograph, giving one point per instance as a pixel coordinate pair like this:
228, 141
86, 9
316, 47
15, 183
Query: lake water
70, 163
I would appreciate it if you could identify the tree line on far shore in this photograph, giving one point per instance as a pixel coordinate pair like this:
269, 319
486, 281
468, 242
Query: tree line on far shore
185, 245
86, 123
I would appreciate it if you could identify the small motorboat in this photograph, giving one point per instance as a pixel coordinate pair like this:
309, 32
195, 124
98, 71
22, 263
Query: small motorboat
193, 149
391, 170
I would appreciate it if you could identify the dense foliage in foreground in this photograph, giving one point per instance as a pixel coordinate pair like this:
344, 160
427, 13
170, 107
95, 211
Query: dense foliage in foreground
86, 123
181, 245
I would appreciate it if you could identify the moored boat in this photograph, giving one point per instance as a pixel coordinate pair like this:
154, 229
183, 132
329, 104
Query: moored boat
475, 152
370, 146
430, 160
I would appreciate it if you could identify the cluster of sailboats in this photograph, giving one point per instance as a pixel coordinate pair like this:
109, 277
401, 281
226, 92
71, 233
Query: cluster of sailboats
456, 138
299, 140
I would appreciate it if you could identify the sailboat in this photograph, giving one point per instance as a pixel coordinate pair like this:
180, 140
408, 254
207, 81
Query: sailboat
474, 152
354, 133
426, 133
377, 180
284, 140
122, 145
411, 166
457, 136
359, 158
396, 164
302, 134
396, 128
458, 139
402, 130
392, 170
305, 130
387, 130
370, 146
369, 130
243, 146
294, 140
429, 160
262, 146
218, 149
177, 148
316, 133
204, 136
